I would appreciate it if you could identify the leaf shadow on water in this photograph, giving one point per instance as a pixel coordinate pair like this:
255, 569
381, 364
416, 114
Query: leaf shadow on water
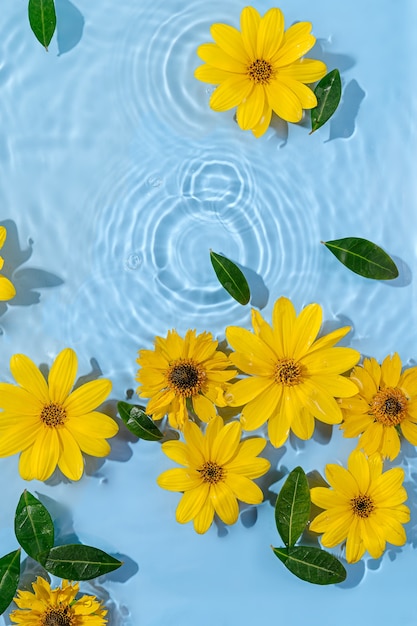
259, 292
69, 25
26, 280
405, 275
342, 124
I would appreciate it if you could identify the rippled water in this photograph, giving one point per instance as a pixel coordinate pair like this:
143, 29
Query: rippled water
116, 181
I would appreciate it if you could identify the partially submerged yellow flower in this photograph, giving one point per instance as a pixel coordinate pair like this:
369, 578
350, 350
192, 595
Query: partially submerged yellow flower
50, 424
185, 370
364, 507
7, 290
57, 607
385, 404
218, 469
294, 377
260, 69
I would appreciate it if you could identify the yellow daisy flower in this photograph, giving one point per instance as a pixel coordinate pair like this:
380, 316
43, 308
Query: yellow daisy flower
294, 376
364, 507
7, 290
50, 424
260, 69
218, 468
179, 371
385, 404
57, 607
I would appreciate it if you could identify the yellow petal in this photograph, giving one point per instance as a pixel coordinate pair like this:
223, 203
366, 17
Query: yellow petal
70, 462
279, 427
304, 70
305, 95
212, 75
355, 548
7, 289
262, 408
338, 529
45, 453
296, 42
244, 489
249, 24
226, 443
203, 520
321, 404
302, 424
283, 101
249, 466
87, 397
409, 430
329, 340
18, 402
216, 57
94, 446
203, 408
341, 480
327, 498
270, 34
28, 376
408, 382
283, 320
3, 235
178, 479
248, 389
19, 437
224, 502
250, 111
230, 40
305, 330
176, 451
358, 466
94, 424
339, 386
191, 503
230, 93
249, 344
331, 361
261, 128
62, 375
391, 370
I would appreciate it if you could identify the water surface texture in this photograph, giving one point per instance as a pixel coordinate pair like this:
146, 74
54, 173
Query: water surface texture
116, 179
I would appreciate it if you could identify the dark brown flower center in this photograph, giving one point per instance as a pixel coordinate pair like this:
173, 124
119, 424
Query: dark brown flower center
362, 505
58, 616
212, 473
53, 415
260, 71
287, 372
389, 406
186, 377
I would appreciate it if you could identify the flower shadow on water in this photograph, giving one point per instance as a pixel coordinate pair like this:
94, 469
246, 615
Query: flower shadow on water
70, 25
26, 280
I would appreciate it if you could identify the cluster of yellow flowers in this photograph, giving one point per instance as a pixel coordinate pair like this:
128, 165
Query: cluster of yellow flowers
285, 375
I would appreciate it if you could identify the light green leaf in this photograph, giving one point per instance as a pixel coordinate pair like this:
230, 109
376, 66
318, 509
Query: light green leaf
33, 526
42, 20
79, 562
138, 422
9, 578
230, 277
328, 93
292, 508
312, 564
363, 257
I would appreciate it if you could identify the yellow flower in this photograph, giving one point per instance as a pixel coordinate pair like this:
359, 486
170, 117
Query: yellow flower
49, 424
260, 69
57, 607
294, 376
7, 290
386, 403
180, 370
218, 468
364, 507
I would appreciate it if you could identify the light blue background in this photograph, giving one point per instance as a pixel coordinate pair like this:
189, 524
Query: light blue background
116, 178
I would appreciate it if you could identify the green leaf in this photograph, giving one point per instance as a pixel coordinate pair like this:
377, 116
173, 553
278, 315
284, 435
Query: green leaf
328, 93
33, 526
230, 277
363, 257
9, 578
292, 508
78, 562
312, 564
42, 20
138, 422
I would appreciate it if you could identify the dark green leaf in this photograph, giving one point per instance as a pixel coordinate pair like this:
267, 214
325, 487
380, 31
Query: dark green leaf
42, 20
138, 422
328, 93
292, 508
230, 277
33, 526
9, 578
363, 257
312, 564
79, 562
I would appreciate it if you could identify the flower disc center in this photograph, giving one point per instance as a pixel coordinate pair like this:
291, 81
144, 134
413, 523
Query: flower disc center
53, 415
212, 473
287, 372
186, 377
260, 71
389, 406
362, 505
58, 616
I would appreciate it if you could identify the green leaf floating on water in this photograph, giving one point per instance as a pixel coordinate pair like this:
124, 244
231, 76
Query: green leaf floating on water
328, 93
42, 20
312, 564
363, 257
138, 422
9, 578
230, 277
33, 525
292, 508
79, 562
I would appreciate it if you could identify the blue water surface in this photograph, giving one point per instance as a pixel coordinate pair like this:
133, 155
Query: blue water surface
116, 179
